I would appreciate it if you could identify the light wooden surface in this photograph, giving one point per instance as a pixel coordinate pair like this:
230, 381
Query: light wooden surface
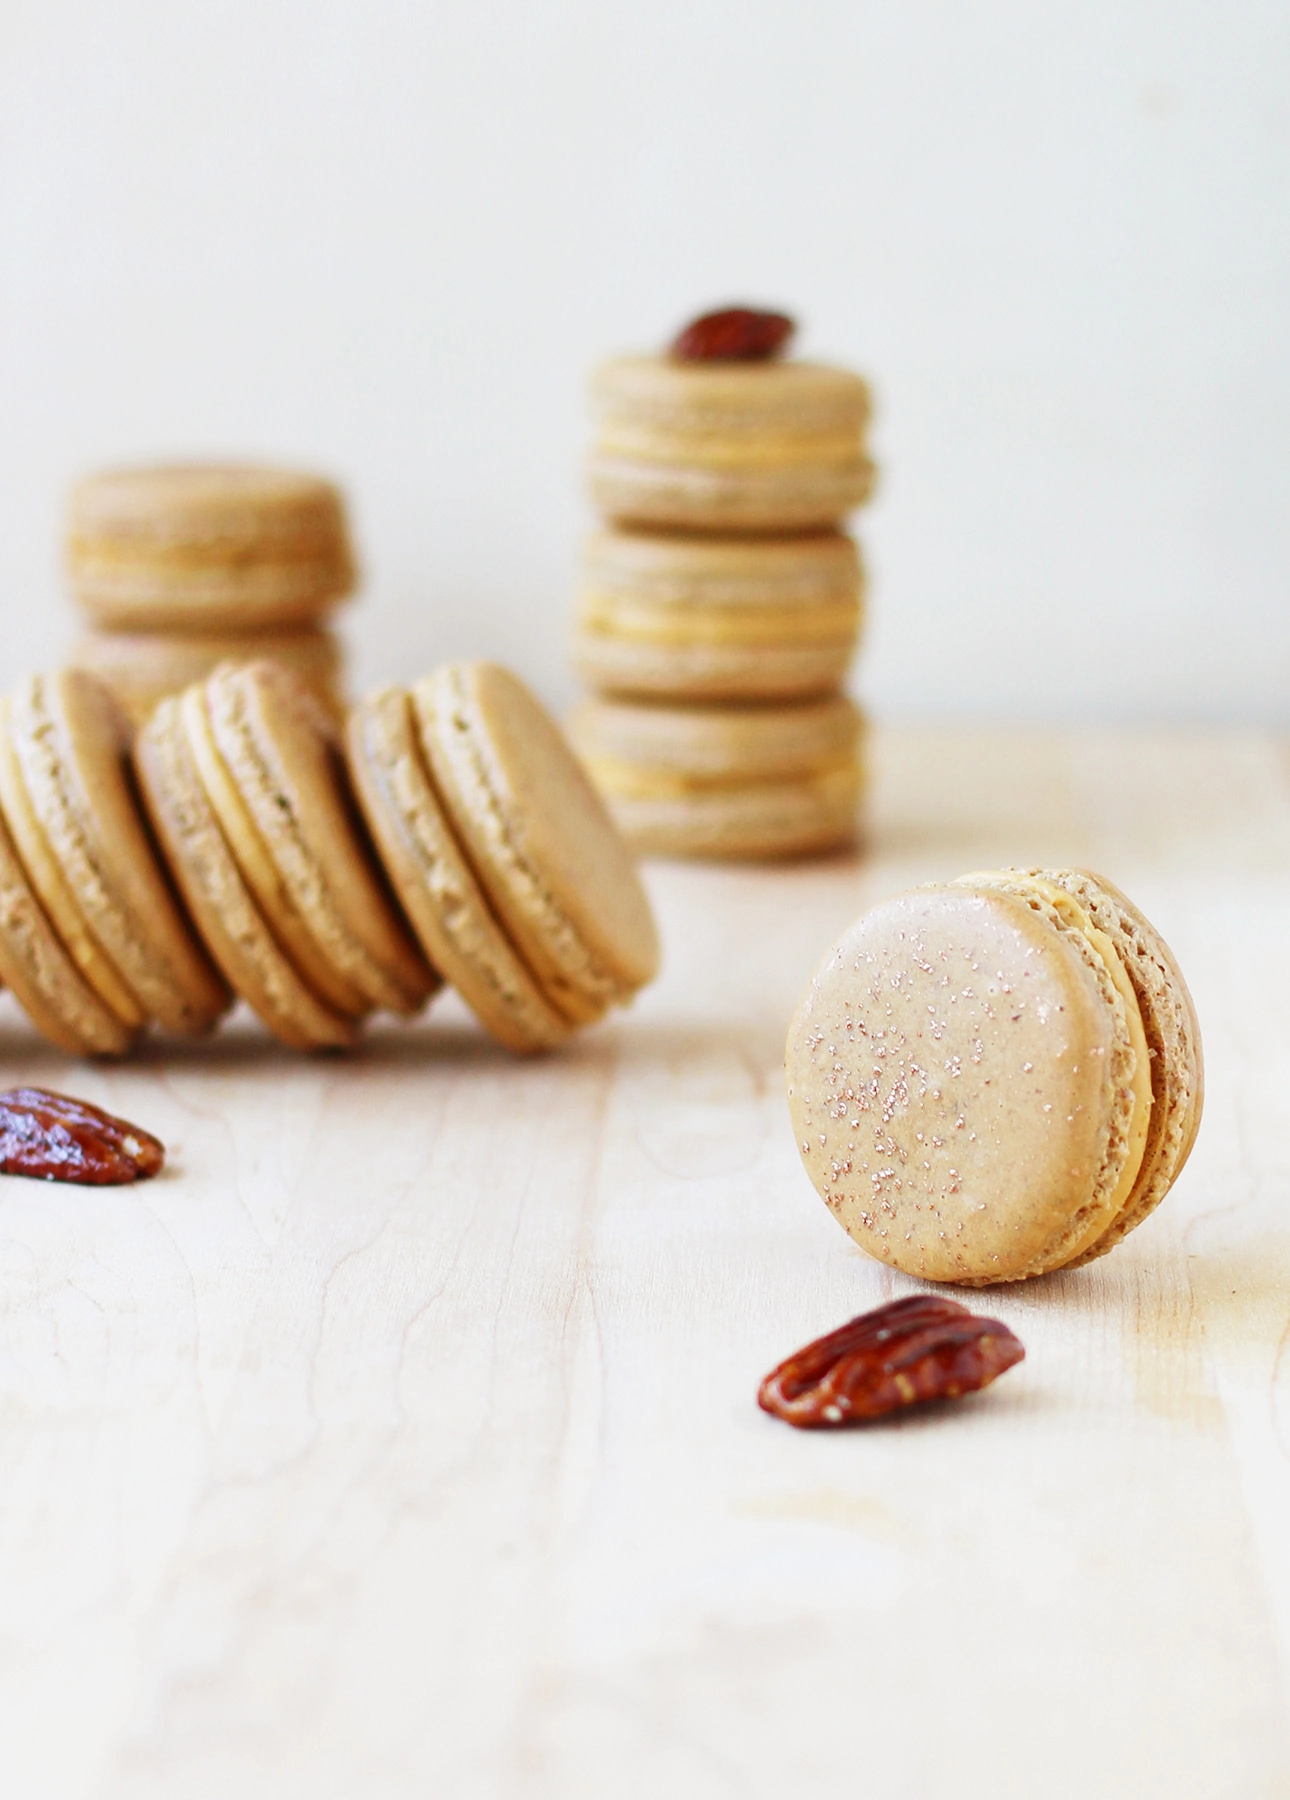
401, 1441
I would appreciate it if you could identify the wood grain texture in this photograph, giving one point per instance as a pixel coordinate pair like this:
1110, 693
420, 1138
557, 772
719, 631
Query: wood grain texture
401, 1439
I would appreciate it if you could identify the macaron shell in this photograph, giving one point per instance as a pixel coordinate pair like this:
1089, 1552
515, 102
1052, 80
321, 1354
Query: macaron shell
50, 885
72, 744
796, 497
433, 880
956, 1082
44, 980
142, 668
207, 875
324, 894
1173, 1036
758, 821
717, 746
538, 837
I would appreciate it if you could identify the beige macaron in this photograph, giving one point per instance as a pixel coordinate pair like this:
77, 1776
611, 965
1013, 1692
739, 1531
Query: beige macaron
735, 781
434, 880
997, 1077
73, 817
713, 618
142, 668
556, 874
207, 547
45, 981
728, 447
250, 796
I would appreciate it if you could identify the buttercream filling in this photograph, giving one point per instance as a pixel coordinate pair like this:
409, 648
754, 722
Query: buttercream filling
624, 781
821, 621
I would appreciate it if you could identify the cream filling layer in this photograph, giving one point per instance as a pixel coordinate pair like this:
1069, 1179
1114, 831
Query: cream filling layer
750, 449
1074, 915
814, 622
624, 781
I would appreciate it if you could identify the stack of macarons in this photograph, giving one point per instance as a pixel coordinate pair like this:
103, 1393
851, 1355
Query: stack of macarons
721, 604
182, 567
241, 848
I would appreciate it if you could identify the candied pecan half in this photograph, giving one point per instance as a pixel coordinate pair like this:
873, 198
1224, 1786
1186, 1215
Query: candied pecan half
920, 1348
55, 1138
735, 334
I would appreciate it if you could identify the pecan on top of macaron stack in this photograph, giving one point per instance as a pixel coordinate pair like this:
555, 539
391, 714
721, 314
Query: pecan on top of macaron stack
184, 566
721, 600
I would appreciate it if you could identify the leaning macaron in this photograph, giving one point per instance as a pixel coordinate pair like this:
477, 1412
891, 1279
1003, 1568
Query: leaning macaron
73, 816
728, 446
206, 871
997, 1077
555, 871
435, 883
717, 618
274, 774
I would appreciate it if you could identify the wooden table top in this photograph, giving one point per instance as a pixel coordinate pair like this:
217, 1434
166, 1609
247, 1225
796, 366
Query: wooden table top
400, 1441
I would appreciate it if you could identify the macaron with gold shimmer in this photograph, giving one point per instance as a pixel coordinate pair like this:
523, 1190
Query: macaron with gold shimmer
997, 1077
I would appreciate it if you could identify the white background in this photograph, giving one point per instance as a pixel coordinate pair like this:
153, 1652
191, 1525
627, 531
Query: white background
387, 240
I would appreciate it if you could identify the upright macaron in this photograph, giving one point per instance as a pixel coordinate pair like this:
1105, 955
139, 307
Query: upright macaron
996, 1077
73, 821
246, 786
728, 446
142, 667
520, 887
207, 547
782, 779
709, 618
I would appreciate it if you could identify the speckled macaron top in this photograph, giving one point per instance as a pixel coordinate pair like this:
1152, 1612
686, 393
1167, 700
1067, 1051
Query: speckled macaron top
995, 1078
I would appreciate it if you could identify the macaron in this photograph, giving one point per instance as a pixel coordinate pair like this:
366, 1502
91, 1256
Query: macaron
247, 790
733, 781
503, 855
728, 446
142, 667
73, 817
45, 981
718, 618
207, 547
996, 1077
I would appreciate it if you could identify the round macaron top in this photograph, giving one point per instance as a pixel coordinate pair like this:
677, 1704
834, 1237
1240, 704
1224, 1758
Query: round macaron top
71, 743
288, 815
212, 509
736, 400
554, 867
966, 1084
